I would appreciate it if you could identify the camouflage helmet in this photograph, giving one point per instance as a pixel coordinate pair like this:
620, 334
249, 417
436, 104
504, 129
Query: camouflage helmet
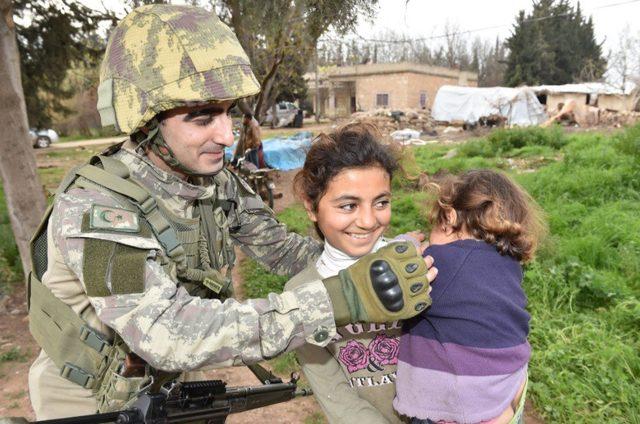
161, 57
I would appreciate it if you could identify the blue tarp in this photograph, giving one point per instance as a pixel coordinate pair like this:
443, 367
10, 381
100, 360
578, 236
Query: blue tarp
283, 153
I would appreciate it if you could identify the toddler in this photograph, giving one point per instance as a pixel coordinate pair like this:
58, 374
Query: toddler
464, 360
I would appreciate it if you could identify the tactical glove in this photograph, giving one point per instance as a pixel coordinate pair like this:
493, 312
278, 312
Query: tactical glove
387, 285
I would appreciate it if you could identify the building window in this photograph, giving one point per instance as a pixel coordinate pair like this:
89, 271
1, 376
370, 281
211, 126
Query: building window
423, 99
382, 100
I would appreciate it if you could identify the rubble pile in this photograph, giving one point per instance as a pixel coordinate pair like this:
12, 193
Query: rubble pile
389, 121
618, 119
591, 116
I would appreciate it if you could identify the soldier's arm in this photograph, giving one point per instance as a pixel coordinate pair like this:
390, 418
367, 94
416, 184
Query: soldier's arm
262, 237
169, 328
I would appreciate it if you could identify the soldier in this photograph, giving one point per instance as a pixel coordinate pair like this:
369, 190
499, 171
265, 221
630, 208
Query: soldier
134, 255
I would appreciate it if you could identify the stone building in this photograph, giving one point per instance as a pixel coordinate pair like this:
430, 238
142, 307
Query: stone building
347, 89
595, 94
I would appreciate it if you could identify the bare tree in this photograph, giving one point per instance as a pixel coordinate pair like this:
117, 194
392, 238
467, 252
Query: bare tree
276, 34
489, 61
456, 52
624, 62
25, 198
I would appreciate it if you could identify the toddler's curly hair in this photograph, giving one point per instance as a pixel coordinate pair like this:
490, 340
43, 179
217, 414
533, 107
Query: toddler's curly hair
490, 207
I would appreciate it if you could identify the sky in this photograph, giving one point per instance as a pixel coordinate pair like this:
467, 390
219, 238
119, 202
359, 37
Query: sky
486, 19
426, 18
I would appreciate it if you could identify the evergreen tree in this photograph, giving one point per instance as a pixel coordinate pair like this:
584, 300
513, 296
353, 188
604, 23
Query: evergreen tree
51, 39
555, 44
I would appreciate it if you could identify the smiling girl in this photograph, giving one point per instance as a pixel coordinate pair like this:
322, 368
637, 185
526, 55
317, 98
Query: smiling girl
345, 185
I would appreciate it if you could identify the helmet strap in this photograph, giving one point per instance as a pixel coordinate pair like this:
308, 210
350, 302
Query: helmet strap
155, 141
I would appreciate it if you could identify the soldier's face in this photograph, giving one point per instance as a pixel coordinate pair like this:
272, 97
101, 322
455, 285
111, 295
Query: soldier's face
198, 135
355, 210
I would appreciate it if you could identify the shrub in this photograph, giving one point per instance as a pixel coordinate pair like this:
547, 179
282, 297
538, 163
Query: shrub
628, 142
505, 140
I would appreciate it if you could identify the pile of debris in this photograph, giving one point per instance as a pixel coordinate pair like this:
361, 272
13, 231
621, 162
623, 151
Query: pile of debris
589, 116
389, 121
618, 119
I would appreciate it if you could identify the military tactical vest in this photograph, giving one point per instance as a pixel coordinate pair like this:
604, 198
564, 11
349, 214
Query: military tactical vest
195, 251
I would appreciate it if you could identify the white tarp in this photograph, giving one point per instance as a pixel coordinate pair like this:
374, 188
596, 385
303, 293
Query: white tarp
519, 106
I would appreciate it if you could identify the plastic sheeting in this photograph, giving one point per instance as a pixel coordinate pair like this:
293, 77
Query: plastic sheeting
519, 106
283, 153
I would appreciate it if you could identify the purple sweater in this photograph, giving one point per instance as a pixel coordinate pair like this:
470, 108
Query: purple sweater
464, 359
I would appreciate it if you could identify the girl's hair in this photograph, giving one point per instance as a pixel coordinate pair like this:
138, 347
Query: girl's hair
490, 207
354, 145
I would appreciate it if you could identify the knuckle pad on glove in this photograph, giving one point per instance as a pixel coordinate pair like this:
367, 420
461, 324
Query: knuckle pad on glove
411, 267
416, 288
401, 248
386, 286
378, 267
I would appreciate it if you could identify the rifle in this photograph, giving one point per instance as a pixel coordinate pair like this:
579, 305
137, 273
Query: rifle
209, 401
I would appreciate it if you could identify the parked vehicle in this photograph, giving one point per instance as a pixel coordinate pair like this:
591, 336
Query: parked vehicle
43, 138
288, 114
259, 179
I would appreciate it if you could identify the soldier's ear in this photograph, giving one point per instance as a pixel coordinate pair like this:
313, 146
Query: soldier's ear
309, 208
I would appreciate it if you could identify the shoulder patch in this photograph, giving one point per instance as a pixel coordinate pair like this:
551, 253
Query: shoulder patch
115, 219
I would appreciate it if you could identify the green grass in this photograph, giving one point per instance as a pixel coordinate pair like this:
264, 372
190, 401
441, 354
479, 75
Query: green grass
93, 133
584, 287
584, 290
315, 418
258, 281
295, 217
14, 354
409, 212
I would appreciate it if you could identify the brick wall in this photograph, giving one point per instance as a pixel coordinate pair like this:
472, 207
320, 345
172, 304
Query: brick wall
403, 89
403, 83
554, 99
368, 87
428, 84
616, 102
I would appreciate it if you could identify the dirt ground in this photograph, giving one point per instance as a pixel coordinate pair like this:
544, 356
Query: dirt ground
14, 334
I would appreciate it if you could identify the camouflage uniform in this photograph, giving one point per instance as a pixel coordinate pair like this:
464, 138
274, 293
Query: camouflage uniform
164, 325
